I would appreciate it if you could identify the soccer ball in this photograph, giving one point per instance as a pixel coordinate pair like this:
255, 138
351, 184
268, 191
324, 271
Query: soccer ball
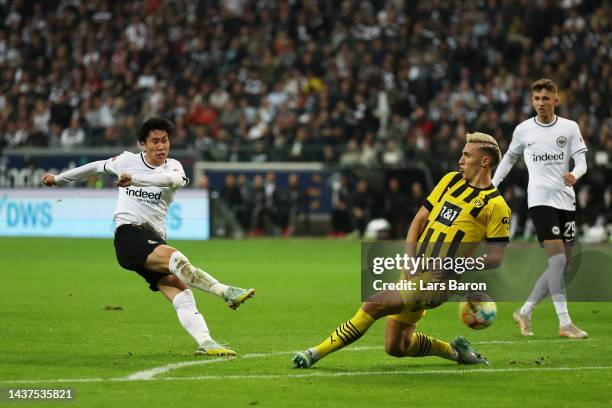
477, 311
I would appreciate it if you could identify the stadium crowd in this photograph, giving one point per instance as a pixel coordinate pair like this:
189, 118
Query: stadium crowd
355, 84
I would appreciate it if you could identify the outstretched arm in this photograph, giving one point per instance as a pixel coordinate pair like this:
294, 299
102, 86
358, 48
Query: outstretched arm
87, 170
504, 167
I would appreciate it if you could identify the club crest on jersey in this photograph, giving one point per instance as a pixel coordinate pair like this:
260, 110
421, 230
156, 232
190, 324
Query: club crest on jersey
479, 202
556, 230
561, 141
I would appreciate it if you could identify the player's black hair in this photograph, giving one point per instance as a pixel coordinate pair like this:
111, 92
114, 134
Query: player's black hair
155, 124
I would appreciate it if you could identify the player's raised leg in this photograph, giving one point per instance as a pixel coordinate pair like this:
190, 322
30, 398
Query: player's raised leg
167, 259
177, 292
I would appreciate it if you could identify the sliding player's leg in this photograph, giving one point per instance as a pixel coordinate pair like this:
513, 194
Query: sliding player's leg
177, 292
380, 305
402, 340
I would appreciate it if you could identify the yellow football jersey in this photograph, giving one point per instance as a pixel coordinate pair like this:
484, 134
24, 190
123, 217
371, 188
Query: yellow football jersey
460, 213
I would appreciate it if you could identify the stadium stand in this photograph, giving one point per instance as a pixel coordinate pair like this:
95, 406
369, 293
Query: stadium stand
356, 85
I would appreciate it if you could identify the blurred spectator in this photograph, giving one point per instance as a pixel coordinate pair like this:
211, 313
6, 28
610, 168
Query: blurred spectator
235, 200
352, 156
74, 135
393, 81
361, 206
396, 207
369, 152
257, 201
296, 204
341, 218
415, 200
417, 80
61, 111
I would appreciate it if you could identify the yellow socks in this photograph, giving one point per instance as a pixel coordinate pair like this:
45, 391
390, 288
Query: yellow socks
422, 346
351, 330
345, 334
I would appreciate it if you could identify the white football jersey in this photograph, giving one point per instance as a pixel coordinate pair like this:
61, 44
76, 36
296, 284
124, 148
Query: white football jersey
547, 150
146, 206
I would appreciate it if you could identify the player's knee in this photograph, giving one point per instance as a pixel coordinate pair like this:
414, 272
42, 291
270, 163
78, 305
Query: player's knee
174, 281
395, 349
177, 261
375, 309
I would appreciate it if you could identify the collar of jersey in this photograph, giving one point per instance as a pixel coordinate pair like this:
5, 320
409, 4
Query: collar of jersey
544, 125
489, 187
147, 164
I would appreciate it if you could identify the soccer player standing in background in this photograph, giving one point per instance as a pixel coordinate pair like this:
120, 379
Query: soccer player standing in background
463, 208
147, 182
547, 143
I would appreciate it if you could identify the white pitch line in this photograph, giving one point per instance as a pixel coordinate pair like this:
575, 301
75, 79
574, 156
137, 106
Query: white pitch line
151, 373
378, 373
313, 373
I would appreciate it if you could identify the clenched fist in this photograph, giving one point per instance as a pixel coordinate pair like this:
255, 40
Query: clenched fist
569, 179
125, 179
48, 179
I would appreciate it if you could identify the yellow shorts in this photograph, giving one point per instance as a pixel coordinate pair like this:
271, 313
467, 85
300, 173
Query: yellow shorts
408, 317
417, 302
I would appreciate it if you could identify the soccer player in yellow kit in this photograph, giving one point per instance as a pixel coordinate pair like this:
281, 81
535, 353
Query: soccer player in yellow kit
463, 208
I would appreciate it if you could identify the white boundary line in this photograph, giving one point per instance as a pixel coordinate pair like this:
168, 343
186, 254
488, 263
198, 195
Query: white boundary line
379, 373
150, 375
313, 374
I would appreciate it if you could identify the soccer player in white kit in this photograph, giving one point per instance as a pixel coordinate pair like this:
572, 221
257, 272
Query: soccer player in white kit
547, 143
147, 182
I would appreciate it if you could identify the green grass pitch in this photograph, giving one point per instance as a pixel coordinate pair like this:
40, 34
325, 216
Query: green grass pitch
56, 333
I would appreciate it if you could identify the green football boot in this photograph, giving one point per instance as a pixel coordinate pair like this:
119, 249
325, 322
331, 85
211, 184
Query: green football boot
212, 348
303, 359
466, 354
235, 296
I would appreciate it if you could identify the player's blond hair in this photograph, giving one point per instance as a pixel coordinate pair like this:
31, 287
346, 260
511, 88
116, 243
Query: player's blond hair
488, 146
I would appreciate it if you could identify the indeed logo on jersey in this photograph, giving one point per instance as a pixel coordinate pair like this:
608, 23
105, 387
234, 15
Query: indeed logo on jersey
140, 193
548, 157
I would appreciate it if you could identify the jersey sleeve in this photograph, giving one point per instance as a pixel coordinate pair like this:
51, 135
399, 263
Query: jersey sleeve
114, 165
439, 190
498, 223
577, 144
516, 145
176, 166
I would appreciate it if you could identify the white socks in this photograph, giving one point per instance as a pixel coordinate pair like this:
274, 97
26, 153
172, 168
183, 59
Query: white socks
539, 292
190, 318
552, 281
556, 287
180, 266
